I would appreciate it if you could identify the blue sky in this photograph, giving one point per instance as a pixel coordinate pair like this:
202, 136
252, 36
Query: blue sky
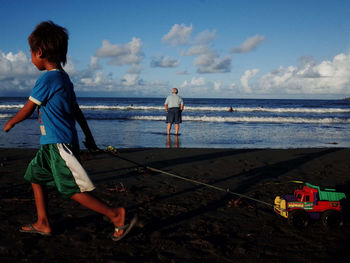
205, 48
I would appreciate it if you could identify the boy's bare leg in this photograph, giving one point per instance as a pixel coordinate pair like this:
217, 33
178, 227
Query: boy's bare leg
177, 126
42, 223
169, 128
116, 215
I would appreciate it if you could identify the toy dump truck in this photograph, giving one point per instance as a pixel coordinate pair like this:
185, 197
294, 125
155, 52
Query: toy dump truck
311, 202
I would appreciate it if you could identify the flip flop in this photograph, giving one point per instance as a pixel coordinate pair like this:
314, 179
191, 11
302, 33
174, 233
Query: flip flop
32, 230
126, 229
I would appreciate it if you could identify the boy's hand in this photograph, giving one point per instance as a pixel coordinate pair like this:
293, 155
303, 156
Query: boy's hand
8, 126
21, 115
90, 144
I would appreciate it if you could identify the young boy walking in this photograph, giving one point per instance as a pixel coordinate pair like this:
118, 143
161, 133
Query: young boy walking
56, 161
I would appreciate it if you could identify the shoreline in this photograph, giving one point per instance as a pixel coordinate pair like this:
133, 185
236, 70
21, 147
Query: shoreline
179, 220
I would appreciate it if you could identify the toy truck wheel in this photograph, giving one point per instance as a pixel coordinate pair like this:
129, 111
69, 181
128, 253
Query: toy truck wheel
298, 218
332, 219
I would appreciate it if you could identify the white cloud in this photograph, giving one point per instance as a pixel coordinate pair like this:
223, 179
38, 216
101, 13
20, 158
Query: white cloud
96, 82
70, 68
200, 87
93, 81
93, 65
18, 76
181, 35
134, 69
194, 87
248, 74
196, 50
217, 85
164, 62
182, 72
130, 53
16, 65
205, 37
194, 82
131, 79
17, 73
327, 77
197, 81
99, 82
207, 60
210, 62
116, 54
178, 35
248, 45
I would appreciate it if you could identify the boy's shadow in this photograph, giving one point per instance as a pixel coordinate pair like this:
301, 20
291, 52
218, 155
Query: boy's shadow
90, 223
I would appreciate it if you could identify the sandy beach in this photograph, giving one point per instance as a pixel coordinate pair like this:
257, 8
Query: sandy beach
179, 221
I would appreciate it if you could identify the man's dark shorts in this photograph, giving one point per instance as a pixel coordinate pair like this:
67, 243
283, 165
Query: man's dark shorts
174, 115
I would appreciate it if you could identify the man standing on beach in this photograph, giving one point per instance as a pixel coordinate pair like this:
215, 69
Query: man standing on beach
174, 106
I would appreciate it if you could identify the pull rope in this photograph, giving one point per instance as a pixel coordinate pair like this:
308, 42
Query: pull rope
113, 151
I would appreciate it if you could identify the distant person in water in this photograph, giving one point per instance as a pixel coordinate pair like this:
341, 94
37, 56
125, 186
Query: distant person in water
174, 106
230, 109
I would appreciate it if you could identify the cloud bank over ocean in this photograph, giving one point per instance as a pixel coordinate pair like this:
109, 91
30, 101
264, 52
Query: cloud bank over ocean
18, 75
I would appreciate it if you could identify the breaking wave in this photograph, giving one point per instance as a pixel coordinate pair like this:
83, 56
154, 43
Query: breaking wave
202, 108
221, 109
252, 119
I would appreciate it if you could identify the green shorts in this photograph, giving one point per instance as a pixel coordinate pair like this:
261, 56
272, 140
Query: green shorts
55, 164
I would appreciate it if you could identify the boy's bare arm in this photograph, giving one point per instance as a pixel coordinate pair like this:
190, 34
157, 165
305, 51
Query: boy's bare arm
89, 139
21, 115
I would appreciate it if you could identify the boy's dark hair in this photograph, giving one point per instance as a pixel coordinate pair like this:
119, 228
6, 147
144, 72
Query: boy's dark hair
52, 39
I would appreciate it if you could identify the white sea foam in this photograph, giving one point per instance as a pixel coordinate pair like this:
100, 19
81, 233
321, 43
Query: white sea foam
11, 106
250, 119
116, 107
221, 109
276, 110
294, 110
202, 108
5, 116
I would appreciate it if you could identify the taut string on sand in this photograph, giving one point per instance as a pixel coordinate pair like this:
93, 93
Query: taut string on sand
113, 151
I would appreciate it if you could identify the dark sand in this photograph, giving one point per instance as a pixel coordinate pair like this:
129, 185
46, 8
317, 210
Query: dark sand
179, 221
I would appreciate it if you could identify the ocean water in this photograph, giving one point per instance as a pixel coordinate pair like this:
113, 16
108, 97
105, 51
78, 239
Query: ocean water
207, 123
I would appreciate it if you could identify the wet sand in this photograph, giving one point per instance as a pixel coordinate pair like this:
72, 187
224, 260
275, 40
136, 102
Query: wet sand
179, 221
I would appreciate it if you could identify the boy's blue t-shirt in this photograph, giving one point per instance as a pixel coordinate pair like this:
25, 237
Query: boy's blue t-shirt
54, 93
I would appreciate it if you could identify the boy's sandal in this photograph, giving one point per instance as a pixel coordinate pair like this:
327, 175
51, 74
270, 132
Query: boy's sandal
126, 229
32, 230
